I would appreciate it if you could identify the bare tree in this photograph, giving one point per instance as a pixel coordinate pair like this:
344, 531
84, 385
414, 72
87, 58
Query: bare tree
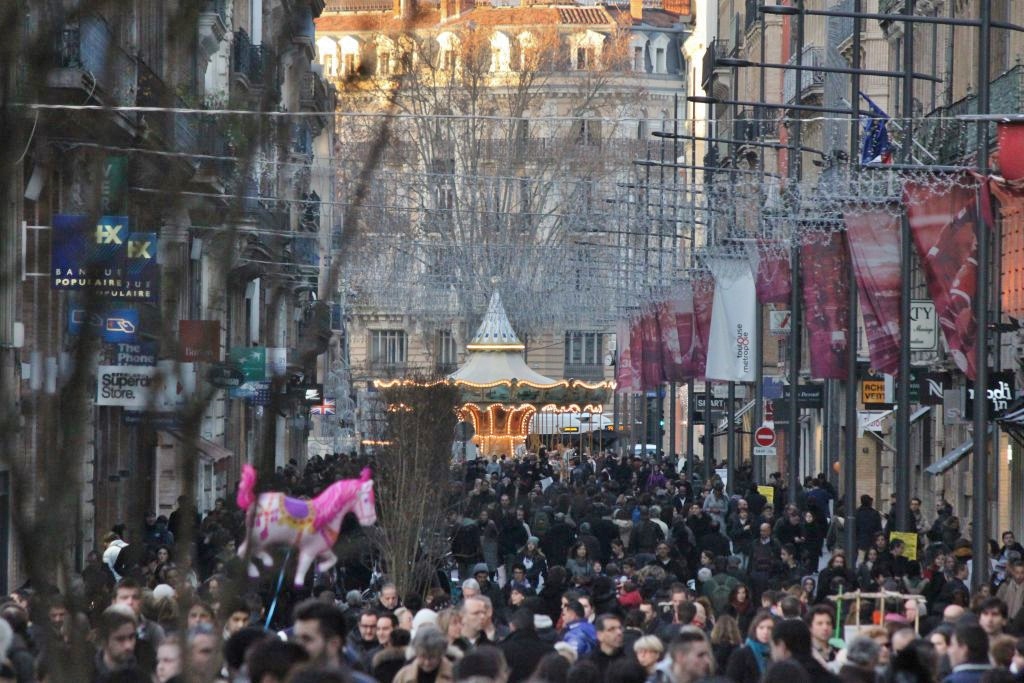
411, 474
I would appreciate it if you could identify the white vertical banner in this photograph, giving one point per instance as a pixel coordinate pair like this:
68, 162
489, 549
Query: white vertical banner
733, 342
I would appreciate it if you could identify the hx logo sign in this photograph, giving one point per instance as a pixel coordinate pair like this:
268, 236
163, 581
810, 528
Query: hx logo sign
111, 233
108, 233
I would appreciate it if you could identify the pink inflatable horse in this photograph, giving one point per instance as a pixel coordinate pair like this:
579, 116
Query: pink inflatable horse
311, 526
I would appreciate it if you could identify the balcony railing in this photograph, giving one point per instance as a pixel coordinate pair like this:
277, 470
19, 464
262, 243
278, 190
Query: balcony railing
797, 85
254, 63
315, 93
585, 371
179, 132
302, 139
717, 48
951, 140
91, 46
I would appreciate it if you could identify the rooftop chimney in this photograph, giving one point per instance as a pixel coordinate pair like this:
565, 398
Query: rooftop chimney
636, 10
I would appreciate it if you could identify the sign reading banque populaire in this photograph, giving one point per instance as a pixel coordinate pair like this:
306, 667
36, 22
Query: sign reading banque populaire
103, 257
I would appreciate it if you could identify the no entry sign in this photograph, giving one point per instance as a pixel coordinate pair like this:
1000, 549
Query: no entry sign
764, 436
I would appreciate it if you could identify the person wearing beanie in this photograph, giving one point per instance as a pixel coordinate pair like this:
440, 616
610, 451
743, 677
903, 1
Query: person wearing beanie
523, 648
534, 562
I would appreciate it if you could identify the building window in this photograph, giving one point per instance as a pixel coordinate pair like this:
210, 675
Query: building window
588, 132
444, 184
388, 348
659, 60
449, 60
447, 352
638, 59
584, 354
384, 64
586, 57
348, 64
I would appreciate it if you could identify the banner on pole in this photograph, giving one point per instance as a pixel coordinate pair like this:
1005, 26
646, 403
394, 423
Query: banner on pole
703, 302
650, 343
825, 282
873, 236
773, 274
733, 342
943, 225
625, 381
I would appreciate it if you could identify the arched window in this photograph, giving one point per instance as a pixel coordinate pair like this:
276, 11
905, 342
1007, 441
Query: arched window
386, 57
638, 45
351, 58
327, 51
659, 53
527, 51
448, 52
585, 50
501, 52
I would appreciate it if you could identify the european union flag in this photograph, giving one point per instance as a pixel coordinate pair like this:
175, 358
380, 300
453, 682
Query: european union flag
876, 147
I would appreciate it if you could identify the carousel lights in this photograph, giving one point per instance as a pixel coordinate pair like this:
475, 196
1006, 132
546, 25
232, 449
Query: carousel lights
495, 347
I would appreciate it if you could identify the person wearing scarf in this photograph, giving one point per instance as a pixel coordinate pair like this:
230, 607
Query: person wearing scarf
749, 662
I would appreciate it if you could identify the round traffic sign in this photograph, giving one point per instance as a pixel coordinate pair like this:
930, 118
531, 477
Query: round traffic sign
764, 436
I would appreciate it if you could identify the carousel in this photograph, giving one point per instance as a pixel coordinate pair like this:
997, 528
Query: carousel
504, 398
507, 401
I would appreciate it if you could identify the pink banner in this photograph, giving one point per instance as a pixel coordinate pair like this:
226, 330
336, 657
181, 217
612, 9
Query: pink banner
625, 379
773, 278
873, 237
823, 268
703, 302
676, 317
943, 226
650, 334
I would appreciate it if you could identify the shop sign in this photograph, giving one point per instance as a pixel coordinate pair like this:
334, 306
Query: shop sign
199, 341
104, 258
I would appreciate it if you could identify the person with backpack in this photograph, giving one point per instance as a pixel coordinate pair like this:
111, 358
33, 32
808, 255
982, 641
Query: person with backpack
112, 545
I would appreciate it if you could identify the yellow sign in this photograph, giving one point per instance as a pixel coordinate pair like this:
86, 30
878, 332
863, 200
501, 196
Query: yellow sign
768, 492
872, 391
909, 539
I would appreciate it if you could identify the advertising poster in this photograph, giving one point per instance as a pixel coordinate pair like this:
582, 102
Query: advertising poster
823, 267
942, 227
732, 344
874, 241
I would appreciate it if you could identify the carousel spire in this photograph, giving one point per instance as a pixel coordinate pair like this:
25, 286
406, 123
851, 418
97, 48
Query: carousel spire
495, 332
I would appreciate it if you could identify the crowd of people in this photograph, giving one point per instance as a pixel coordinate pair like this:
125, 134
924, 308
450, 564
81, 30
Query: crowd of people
564, 568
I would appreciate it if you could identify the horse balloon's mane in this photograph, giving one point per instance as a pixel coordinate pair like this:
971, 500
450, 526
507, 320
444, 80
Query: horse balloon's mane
336, 496
246, 495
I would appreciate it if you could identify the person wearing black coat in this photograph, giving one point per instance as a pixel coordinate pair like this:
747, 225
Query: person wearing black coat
867, 522
827, 579
523, 648
557, 541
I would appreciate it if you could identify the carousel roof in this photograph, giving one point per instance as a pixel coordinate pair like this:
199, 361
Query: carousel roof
496, 353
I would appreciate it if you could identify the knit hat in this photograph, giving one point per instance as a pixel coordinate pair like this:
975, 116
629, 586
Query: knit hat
481, 568
533, 540
704, 574
425, 617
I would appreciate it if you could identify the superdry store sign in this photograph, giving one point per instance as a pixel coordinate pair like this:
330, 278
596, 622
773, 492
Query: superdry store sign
104, 258
163, 387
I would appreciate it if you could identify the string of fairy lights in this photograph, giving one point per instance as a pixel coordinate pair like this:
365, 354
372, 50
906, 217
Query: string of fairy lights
576, 221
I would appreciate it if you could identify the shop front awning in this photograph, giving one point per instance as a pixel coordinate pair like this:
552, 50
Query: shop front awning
207, 449
950, 459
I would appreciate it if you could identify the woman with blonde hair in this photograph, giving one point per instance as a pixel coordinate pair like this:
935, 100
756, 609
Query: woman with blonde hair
725, 638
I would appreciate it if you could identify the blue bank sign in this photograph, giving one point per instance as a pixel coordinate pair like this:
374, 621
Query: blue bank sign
103, 257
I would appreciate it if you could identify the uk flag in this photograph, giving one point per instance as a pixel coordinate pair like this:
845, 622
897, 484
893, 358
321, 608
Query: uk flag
327, 407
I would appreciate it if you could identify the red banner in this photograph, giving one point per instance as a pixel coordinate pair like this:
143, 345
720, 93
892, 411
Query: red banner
773, 278
199, 340
825, 278
943, 226
873, 236
703, 302
650, 335
676, 318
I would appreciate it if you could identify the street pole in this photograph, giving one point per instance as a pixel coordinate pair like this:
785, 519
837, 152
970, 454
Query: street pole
730, 443
901, 459
709, 431
690, 458
758, 468
979, 498
672, 420
795, 332
849, 467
